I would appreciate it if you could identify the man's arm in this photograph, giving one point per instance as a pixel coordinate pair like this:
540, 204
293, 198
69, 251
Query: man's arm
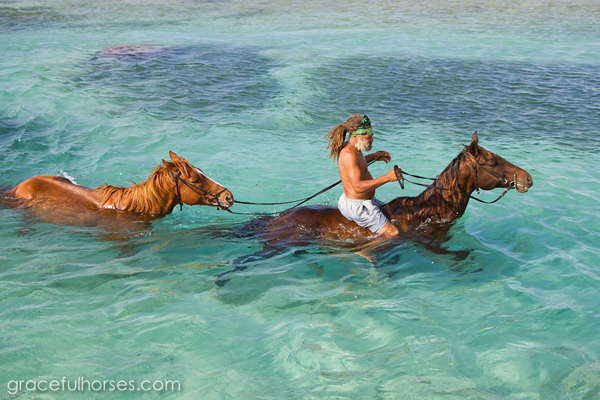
379, 156
349, 163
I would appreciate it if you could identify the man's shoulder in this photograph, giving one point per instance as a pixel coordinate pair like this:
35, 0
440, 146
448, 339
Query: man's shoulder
351, 159
347, 157
347, 152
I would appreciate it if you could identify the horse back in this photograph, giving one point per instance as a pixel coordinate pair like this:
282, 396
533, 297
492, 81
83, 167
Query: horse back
318, 221
51, 187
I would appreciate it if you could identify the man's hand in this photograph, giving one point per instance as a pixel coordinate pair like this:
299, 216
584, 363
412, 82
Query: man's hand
391, 175
380, 156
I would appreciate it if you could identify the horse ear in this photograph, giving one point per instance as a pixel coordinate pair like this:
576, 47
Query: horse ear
173, 156
473, 147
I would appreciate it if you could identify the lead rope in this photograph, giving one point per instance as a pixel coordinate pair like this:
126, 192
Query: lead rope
176, 178
299, 201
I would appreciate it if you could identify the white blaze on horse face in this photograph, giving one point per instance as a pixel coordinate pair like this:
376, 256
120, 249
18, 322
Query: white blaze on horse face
204, 175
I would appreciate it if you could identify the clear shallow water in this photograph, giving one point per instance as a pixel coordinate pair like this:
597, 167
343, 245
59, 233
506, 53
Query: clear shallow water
246, 91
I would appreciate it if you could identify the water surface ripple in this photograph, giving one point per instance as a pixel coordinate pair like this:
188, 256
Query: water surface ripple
246, 91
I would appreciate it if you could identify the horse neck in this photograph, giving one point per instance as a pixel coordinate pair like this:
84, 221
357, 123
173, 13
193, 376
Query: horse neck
436, 204
153, 196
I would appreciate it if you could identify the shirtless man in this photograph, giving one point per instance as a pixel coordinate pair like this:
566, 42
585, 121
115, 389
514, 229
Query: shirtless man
358, 202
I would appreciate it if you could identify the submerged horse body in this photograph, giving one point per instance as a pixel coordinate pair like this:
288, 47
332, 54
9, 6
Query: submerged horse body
428, 215
57, 200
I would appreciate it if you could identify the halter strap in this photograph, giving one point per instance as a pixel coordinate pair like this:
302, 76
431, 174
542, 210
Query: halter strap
475, 164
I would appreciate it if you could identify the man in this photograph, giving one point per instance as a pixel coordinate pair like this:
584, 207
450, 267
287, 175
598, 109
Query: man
358, 202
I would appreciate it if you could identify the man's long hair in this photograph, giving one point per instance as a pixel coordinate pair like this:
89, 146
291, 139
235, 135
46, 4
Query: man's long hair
337, 136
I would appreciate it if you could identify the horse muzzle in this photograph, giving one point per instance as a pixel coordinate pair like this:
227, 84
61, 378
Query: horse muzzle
225, 199
523, 183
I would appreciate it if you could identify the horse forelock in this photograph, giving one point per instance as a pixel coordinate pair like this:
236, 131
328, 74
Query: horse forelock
181, 166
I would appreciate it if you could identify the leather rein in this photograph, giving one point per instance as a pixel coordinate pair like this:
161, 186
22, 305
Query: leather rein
400, 178
203, 193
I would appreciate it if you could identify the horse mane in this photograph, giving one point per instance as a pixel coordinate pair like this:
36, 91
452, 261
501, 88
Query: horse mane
150, 194
432, 199
446, 179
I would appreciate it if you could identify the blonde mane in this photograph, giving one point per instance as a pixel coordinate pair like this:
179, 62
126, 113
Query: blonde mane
149, 195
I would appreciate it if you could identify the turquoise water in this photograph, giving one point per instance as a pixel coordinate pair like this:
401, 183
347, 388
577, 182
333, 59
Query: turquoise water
246, 91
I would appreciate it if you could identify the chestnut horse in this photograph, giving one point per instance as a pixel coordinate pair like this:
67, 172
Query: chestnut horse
57, 200
428, 215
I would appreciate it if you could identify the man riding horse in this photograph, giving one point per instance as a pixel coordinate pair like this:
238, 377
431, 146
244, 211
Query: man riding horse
358, 202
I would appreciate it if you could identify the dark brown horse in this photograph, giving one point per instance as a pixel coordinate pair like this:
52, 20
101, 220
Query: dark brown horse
430, 214
57, 200
424, 219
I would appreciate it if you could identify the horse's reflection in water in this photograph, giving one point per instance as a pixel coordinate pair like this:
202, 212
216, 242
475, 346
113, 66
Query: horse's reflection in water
425, 219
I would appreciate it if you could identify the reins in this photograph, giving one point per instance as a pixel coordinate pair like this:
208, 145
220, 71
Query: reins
475, 164
203, 193
399, 177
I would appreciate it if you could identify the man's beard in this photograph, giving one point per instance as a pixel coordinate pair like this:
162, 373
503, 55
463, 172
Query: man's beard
364, 145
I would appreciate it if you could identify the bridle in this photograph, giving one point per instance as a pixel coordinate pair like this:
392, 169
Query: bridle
203, 193
475, 165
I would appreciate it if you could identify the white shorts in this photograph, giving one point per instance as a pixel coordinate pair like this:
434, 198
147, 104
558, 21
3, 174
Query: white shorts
365, 213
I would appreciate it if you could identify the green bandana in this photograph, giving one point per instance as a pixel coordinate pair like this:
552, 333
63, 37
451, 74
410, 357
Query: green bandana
362, 131
364, 128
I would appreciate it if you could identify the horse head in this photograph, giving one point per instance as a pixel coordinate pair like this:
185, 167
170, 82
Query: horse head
491, 171
193, 187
